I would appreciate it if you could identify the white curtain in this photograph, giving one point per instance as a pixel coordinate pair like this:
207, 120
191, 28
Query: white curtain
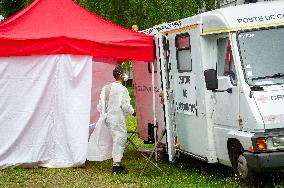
44, 110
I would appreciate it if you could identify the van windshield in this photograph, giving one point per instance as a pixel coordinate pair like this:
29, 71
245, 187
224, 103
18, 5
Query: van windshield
262, 55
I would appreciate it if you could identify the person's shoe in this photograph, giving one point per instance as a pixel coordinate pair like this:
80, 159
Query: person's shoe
119, 170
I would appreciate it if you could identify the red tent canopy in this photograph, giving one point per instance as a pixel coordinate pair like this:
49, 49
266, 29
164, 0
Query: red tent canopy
63, 27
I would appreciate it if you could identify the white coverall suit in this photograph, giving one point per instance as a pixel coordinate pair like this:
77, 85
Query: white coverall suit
117, 105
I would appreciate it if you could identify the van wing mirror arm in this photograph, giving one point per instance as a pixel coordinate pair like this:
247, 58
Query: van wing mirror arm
229, 90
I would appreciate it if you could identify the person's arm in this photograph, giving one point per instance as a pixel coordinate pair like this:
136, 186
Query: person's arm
125, 104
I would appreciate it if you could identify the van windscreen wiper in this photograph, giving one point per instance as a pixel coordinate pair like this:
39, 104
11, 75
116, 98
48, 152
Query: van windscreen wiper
277, 75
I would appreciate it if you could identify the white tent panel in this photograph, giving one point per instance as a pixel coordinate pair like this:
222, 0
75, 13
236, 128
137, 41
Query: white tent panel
44, 110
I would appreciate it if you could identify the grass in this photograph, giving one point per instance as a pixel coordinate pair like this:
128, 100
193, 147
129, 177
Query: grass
185, 172
132, 96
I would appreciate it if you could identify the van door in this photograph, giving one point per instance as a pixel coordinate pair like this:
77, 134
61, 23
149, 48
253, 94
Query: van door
167, 91
184, 92
226, 103
191, 129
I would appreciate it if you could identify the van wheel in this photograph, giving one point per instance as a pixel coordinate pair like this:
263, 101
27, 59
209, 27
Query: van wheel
242, 168
239, 163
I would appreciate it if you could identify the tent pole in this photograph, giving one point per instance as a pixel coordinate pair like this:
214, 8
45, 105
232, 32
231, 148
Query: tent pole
154, 107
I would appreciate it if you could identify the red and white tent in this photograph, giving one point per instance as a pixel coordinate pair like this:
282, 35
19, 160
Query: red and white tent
52, 60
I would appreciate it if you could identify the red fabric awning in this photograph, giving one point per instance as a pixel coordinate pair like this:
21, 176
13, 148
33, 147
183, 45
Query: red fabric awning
63, 27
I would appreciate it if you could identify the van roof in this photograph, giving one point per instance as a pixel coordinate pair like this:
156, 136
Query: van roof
247, 16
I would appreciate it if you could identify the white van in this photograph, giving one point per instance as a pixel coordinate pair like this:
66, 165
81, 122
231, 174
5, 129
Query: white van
222, 77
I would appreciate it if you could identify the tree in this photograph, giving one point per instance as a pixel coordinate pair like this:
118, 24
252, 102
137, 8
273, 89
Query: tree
145, 13
10, 7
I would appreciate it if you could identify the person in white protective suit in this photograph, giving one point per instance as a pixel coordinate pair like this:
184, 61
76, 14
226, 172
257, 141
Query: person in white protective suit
114, 104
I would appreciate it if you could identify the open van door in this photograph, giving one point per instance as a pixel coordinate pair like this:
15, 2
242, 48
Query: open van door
187, 129
165, 68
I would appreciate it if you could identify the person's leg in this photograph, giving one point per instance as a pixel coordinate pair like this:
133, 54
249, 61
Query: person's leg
119, 137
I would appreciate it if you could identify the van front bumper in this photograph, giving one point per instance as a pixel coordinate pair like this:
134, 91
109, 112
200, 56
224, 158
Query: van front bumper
263, 162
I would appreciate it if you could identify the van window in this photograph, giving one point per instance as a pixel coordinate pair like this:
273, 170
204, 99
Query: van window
183, 51
225, 64
261, 53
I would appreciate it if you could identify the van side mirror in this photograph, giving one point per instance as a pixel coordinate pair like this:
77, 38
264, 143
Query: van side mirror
211, 79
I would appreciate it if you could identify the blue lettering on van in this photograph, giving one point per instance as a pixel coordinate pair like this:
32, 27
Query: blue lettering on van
168, 26
184, 93
186, 107
277, 97
184, 80
263, 18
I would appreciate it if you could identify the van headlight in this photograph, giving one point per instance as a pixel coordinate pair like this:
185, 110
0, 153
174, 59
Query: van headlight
275, 143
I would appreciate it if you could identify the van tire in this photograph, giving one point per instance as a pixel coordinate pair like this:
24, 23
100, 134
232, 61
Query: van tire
239, 163
242, 169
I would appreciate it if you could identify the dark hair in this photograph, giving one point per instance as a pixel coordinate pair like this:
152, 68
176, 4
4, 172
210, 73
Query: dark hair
117, 72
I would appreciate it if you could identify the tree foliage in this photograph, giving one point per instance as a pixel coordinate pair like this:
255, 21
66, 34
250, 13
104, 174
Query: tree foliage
9, 7
144, 13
